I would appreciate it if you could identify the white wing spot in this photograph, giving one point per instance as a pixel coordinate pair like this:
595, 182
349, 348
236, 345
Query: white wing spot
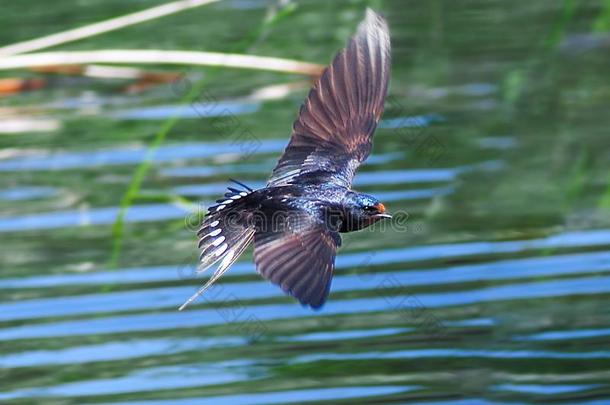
236, 197
227, 201
243, 194
221, 249
218, 241
213, 233
213, 224
227, 260
220, 207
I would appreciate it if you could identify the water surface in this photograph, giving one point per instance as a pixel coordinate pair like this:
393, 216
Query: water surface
495, 290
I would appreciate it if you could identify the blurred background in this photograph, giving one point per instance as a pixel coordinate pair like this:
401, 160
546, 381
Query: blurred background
492, 288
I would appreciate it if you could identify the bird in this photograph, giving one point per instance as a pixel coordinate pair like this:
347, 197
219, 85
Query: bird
295, 221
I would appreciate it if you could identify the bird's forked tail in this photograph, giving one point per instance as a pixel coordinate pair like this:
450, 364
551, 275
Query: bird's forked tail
223, 235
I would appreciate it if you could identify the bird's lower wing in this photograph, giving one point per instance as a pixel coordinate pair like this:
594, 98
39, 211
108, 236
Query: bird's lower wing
299, 259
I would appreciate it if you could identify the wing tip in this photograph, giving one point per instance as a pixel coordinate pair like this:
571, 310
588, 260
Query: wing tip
316, 298
316, 306
374, 24
373, 35
316, 303
371, 16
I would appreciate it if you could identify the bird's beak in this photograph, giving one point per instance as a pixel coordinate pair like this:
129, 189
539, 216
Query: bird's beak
381, 211
384, 215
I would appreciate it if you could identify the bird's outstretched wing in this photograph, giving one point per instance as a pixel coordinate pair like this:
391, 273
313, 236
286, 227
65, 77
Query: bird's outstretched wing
332, 135
298, 255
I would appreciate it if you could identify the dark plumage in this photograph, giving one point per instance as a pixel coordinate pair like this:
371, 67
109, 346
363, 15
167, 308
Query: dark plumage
296, 219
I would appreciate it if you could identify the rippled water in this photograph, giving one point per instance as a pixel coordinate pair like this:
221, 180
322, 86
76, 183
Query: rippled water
496, 289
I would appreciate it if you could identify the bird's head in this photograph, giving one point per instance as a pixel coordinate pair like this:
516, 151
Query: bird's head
363, 210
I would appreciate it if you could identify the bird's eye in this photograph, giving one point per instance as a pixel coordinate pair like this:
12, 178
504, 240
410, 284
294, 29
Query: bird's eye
370, 208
